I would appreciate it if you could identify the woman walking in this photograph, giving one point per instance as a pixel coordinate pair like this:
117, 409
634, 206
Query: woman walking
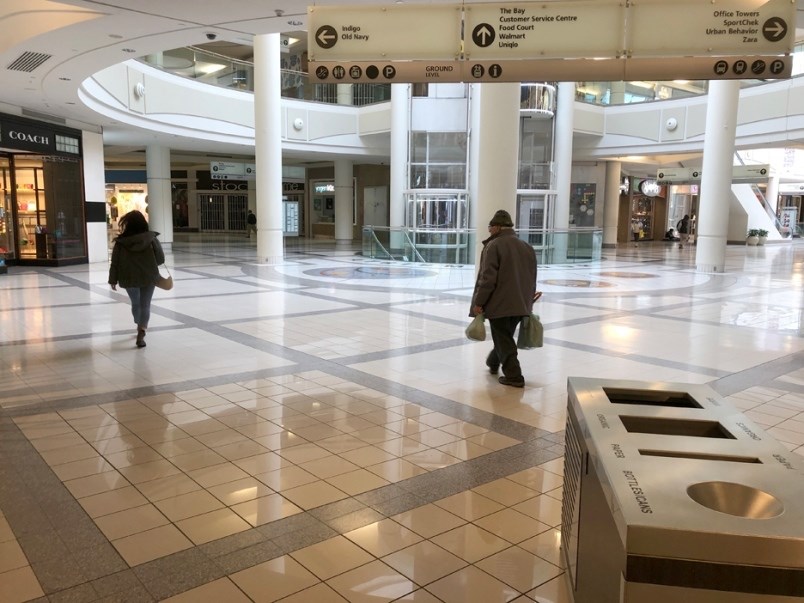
135, 259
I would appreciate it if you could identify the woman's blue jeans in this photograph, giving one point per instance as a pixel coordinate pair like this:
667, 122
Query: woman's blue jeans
141, 304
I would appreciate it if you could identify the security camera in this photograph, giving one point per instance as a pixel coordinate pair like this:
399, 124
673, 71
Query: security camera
211, 36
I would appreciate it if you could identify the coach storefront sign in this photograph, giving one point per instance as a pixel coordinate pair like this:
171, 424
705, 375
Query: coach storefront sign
27, 135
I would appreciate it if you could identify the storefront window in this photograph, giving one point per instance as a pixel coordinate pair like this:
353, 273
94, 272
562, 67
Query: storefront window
582, 205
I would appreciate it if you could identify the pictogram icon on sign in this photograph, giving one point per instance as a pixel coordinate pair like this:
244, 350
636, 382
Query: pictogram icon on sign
478, 71
495, 70
389, 71
321, 72
721, 67
758, 67
774, 29
338, 72
326, 36
483, 35
372, 72
355, 72
740, 67
777, 66
763, 171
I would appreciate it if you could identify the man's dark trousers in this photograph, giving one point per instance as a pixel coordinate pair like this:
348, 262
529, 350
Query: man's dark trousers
504, 354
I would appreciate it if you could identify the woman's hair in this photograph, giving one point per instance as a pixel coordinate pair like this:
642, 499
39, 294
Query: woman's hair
133, 223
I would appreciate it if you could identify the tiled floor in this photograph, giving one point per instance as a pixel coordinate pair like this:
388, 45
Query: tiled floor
322, 431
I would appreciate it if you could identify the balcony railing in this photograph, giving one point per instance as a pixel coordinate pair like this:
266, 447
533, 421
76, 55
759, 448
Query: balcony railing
445, 246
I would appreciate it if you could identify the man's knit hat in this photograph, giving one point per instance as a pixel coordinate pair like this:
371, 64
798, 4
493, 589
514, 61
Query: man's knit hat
501, 218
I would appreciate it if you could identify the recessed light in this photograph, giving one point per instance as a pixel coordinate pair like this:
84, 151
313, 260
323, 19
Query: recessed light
65, 79
128, 50
116, 36
69, 103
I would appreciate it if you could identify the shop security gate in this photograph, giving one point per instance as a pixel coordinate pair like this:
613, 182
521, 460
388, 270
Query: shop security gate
222, 212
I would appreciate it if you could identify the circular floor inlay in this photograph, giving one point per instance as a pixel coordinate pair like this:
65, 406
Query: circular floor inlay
369, 272
576, 283
628, 275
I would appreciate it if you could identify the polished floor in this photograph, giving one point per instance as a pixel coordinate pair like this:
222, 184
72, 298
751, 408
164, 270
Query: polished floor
322, 431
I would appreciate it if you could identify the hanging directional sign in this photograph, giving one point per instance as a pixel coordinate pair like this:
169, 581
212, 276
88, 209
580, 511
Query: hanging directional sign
544, 30
223, 170
355, 33
752, 173
695, 28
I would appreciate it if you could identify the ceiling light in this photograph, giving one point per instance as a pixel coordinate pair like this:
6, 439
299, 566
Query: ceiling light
64, 79
129, 50
116, 36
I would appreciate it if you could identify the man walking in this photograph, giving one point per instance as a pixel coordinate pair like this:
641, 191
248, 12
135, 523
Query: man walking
504, 291
251, 224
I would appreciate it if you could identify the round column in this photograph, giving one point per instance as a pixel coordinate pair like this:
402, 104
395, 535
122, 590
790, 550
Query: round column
611, 204
160, 205
344, 202
563, 161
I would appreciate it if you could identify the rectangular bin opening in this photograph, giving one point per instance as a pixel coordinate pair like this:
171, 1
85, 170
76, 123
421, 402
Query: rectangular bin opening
647, 397
678, 427
701, 456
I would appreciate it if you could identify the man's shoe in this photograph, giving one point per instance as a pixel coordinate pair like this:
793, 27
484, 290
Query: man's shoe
493, 369
512, 382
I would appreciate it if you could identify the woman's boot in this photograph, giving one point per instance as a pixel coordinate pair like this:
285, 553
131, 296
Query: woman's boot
140, 338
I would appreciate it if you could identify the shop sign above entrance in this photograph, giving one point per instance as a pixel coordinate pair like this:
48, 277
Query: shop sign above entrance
684, 39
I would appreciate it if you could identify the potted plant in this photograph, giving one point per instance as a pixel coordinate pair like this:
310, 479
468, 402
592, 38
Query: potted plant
753, 237
763, 236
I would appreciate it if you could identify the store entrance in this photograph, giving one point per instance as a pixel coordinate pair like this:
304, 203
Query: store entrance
6, 214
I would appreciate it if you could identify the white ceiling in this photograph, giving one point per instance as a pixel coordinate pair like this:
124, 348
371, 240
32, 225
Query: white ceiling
86, 36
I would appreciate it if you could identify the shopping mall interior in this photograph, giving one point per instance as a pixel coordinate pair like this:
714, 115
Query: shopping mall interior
313, 425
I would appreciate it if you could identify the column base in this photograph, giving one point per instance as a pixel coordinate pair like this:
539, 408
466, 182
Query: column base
711, 268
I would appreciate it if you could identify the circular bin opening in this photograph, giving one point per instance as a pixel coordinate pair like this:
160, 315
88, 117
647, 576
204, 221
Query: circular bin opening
736, 499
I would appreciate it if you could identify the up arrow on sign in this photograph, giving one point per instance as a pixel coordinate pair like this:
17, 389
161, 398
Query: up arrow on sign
483, 35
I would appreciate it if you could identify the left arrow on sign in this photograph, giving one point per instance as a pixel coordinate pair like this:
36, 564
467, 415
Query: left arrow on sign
326, 36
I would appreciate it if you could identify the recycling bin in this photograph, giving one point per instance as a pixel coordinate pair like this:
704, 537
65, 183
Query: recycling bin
671, 494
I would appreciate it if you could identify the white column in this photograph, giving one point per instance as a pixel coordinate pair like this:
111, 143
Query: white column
95, 193
343, 202
611, 204
772, 192
268, 148
344, 92
160, 203
617, 95
493, 159
565, 109
400, 117
716, 173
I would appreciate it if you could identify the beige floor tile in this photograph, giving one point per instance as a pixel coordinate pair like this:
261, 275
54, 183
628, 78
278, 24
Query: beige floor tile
464, 450
240, 491
493, 440
320, 593
280, 441
187, 505
274, 579
429, 520
537, 479
546, 545
167, 487
265, 509
197, 460
146, 546
505, 492
286, 478
375, 435
395, 470
470, 542
61, 441
512, 525
332, 557
223, 437
341, 443
471, 585
61, 456
372, 583
11, 556
146, 472
469, 505
211, 526
261, 462
432, 459
260, 429
161, 436
314, 495
135, 456
402, 446
95, 484
303, 453
82, 468
554, 591
383, 537
182, 446
519, 568
118, 444
357, 482
105, 503
217, 474
367, 455
463, 430
545, 509
555, 466
19, 585
424, 562
419, 596
128, 522
328, 466
435, 437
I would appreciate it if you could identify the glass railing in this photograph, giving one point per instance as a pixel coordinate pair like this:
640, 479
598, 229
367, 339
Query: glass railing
457, 246
219, 70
